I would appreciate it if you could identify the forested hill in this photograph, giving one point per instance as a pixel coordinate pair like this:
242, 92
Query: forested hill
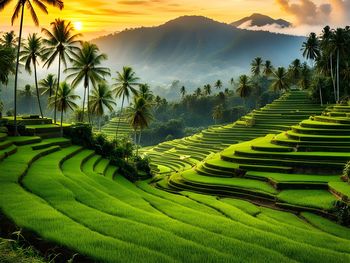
193, 47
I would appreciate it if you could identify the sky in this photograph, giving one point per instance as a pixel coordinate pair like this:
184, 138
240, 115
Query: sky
100, 17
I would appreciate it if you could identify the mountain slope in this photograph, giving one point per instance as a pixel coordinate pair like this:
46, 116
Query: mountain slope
195, 48
260, 20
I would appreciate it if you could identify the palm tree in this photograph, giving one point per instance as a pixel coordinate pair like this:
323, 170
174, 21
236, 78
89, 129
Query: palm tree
101, 97
64, 100
85, 67
244, 88
32, 52
267, 68
47, 85
19, 8
304, 79
9, 39
294, 71
139, 115
280, 80
207, 89
183, 91
218, 84
125, 82
27, 94
256, 66
311, 47
338, 44
146, 93
61, 43
218, 113
232, 82
198, 92
7, 57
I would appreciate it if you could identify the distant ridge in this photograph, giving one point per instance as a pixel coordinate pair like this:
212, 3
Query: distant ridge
260, 20
195, 48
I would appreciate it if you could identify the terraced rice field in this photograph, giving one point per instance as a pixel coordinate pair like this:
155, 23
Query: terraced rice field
299, 169
182, 154
111, 127
70, 196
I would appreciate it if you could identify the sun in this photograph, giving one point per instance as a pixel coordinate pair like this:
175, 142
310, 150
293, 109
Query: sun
78, 25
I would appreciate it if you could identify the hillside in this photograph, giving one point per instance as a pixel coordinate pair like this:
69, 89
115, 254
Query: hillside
191, 47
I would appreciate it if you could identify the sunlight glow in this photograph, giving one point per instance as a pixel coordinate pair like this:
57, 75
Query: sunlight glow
78, 26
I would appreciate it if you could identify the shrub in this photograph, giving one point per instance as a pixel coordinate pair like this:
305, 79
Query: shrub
342, 212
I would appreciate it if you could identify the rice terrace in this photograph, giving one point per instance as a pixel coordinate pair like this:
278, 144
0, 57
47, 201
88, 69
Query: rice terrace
174, 131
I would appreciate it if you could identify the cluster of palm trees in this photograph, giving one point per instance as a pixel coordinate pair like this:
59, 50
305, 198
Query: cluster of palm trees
61, 45
330, 54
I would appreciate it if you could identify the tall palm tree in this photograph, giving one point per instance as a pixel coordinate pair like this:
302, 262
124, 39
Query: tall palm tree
86, 67
244, 88
31, 54
139, 115
338, 44
19, 8
183, 91
280, 80
218, 113
207, 89
267, 68
9, 39
256, 64
64, 100
218, 84
311, 47
47, 85
101, 97
62, 43
124, 87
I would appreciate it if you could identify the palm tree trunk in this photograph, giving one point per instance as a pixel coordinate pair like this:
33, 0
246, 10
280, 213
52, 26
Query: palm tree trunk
338, 86
135, 134
99, 123
62, 123
37, 91
88, 102
58, 85
16, 74
120, 116
82, 118
321, 100
140, 137
333, 80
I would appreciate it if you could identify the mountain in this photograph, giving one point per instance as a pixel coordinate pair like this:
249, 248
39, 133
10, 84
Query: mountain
260, 20
195, 49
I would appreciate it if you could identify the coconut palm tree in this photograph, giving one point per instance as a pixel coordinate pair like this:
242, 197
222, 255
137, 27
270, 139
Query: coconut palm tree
47, 85
218, 84
9, 39
218, 113
256, 65
207, 89
124, 87
19, 9
244, 88
267, 68
101, 97
86, 67
139, 115
338, 44
311, 47
280, 80
60, 43
31, 54
64, 100
183, 91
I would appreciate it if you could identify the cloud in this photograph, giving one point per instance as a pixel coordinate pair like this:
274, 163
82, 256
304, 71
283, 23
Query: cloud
307, 12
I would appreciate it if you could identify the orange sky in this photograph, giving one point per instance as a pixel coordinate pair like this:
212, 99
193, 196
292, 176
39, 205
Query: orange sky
99, 17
